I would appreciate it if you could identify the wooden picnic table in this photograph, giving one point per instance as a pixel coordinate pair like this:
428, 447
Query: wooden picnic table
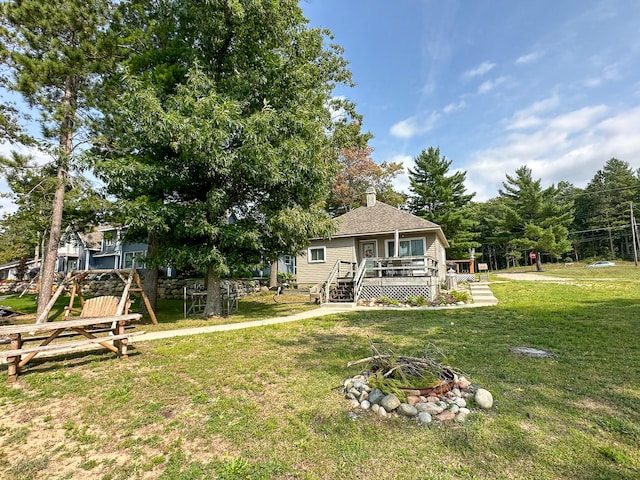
19, 355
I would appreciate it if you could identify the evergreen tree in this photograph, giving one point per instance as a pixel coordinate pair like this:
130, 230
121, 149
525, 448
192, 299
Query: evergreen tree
54, 51
441, 197
608, 197
536, 218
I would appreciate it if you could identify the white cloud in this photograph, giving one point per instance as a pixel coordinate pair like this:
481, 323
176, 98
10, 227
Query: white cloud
452, 107
401, 182
571, 147
428, 88
484, 67
413, 126
529, 58
528, 117
489, 85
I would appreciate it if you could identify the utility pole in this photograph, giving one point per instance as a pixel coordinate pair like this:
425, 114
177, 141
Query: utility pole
633, 236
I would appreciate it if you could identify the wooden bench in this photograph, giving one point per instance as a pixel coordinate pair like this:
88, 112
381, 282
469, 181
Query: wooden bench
18, 355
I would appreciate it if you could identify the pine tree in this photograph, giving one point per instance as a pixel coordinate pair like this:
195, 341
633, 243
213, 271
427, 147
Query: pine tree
440, 196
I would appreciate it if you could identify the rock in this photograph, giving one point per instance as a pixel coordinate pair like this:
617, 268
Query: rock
432, 399
365, 405
390, 402
424, 417
348, 384
445, 416
375, 408
413, 399
375, 396
350, 396
354, 391
429, 407
358, 384
460, 402
466, 411
407, 410
460, 417
463, 383
382, 412
483, 398
454, 408
456, 392
363, 396
354, 403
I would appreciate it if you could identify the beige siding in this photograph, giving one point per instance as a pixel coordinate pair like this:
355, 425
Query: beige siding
336, 249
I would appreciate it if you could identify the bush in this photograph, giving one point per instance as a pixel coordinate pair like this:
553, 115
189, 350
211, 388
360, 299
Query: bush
416, 301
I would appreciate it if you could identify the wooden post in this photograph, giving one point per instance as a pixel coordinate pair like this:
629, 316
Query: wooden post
121, 344
145, 299
13, 363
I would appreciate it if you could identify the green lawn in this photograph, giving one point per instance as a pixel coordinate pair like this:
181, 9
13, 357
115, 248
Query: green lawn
263, 403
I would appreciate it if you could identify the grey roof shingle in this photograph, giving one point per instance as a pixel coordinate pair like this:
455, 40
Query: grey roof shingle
382, 219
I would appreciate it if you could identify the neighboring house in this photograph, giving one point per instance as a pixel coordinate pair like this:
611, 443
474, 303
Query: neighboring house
9, 271
105, 248
376, 251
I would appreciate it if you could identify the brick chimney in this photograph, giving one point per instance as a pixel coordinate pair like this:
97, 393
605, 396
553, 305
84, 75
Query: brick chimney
371, 196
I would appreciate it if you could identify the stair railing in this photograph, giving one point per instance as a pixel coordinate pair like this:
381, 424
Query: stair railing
330, 279
357, 280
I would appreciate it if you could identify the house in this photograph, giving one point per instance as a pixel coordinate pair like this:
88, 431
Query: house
104, 248
376, 250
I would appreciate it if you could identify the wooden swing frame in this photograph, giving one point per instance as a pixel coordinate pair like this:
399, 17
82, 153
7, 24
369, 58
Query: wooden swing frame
76, 277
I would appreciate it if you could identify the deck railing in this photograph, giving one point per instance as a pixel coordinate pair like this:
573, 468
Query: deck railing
414, 266
341, 269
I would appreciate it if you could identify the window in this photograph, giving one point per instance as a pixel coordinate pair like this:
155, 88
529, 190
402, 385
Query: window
408, 247
317, 254
131, 257
287, 259
109, 238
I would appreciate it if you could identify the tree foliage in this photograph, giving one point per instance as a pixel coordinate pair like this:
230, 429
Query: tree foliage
440, 196
535, 218
357, 171
54, 51
220, 139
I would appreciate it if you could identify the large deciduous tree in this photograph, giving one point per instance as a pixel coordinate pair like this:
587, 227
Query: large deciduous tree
54, 51
440, 196
536, 218
221, 140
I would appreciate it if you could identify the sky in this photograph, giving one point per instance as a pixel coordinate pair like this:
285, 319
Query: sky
495, 84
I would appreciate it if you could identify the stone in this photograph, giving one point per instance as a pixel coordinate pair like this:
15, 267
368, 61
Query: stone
454, 408
463, 383
363, 396
382, 412
433, 399
358, 384
413, 399
390, 402
407, 410
460, 417
375, 408
445, 416
424, 417
466, 411
365, 405
456, 392
483, 398
429, 407
354, 391
460, 402
375, 396
354, 403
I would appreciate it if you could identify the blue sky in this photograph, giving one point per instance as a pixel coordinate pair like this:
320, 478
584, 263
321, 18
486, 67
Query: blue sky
554, 85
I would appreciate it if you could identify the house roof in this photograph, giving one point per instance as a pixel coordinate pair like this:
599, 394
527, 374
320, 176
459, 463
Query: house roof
381, 219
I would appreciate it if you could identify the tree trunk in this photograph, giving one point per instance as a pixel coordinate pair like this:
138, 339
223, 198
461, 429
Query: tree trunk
213, 307
273, 274
67, 126
538, 262
150, 286
47, 271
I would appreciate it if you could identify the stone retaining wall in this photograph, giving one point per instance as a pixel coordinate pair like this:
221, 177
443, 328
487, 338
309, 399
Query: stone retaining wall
168, 288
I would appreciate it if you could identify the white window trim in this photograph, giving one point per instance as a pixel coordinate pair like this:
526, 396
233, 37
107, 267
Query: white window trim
406, 239
324, 255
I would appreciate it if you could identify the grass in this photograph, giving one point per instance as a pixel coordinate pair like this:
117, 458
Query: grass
170, 313
263, 403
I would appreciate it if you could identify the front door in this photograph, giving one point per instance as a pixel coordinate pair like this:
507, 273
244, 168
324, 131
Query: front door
368, 250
